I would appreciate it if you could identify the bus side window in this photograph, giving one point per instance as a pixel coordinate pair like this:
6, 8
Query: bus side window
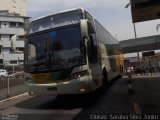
92, 50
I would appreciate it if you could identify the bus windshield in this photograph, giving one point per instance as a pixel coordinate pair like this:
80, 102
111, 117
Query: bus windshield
56, 49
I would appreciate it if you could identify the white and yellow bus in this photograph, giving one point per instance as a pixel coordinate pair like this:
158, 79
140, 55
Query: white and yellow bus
70, 53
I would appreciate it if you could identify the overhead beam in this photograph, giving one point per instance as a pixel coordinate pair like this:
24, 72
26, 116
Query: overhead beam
140, 44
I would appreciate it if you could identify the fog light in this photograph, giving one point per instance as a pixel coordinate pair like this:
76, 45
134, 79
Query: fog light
30, 93
82, 90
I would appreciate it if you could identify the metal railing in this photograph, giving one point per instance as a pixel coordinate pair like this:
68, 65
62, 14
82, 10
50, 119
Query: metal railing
13, 84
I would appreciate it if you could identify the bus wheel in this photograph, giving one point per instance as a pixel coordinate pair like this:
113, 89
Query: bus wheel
105, 80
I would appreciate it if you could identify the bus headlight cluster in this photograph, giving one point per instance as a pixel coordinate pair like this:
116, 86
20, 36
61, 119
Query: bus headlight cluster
79, 74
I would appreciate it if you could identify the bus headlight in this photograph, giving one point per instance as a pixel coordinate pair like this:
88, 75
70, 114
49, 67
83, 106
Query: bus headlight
79, 74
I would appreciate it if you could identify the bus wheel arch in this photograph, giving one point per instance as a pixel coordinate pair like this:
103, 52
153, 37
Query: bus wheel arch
104, 79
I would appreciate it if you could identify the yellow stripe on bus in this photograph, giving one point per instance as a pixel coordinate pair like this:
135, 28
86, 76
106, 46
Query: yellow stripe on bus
43, 78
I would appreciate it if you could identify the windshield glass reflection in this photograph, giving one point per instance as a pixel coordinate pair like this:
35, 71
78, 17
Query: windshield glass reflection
57, 49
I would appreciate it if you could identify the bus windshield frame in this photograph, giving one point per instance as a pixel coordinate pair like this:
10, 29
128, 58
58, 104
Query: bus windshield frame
56, 48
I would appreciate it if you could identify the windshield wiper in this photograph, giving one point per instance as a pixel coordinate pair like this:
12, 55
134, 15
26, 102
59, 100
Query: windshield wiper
64, 63
37, 62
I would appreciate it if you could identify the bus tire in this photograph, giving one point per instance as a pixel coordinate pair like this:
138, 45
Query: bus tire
105, 80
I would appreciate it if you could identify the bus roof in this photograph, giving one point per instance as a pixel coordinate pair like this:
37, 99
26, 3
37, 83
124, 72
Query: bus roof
64, 11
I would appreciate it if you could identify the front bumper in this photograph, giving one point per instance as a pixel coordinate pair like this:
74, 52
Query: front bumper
76, 86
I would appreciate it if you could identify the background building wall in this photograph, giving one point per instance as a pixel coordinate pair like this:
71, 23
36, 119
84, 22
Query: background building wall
13, 21
14, 6
11, 24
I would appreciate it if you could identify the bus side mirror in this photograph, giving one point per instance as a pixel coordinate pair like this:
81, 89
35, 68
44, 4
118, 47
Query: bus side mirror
13, 43
31, 52
84, 28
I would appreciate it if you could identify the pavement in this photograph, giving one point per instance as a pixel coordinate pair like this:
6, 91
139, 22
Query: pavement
145, 92
157, 74
138, 95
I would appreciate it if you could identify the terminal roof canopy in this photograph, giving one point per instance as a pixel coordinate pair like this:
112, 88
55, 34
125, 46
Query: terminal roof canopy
144, 10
